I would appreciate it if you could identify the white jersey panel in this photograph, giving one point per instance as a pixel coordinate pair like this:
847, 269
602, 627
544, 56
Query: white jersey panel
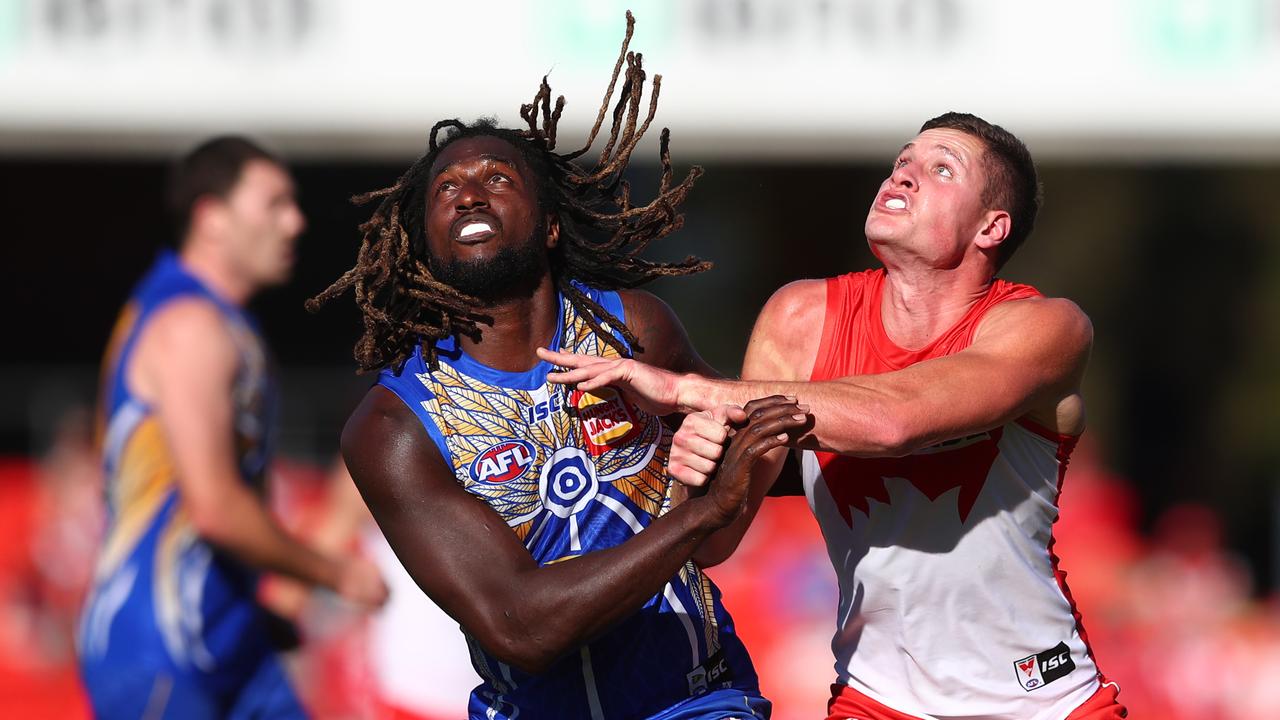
949, 599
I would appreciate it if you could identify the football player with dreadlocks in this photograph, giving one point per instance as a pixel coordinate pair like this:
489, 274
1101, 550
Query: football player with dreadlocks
539, 517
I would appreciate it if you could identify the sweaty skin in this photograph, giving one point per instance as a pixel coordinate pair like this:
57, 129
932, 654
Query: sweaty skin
458, 549
938, 244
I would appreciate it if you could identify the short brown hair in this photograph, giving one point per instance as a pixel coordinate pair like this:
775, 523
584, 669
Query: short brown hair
212, 168
1012, 184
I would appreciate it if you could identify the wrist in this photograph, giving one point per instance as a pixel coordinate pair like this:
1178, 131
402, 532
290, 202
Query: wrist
708, 515
332, 570
695, 393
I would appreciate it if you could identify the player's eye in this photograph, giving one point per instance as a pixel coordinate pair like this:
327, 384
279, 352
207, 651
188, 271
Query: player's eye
499, 178
445, 186
944, 171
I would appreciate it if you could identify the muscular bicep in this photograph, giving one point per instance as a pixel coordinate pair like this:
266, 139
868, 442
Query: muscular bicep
456, 548
1027, 359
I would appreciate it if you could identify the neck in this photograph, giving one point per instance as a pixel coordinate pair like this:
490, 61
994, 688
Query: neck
216, 272
919, 305
520, 326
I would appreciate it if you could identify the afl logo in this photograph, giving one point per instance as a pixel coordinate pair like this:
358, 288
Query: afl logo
503, 461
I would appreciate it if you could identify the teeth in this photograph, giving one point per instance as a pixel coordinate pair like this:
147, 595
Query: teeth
896, 204
475, 228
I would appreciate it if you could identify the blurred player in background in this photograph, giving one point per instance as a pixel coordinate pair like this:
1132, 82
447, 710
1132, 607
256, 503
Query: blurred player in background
538, 518
946, 405
172, 628
406, 640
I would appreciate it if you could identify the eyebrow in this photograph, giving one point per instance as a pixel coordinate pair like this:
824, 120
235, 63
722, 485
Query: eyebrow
486, 156
946, 150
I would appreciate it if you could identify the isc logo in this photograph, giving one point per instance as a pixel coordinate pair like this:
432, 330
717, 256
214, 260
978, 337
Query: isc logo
503, 461
1038, 670
540, 411
712, 673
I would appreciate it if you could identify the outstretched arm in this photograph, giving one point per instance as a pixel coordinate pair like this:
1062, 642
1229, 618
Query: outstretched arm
1027, 359
463, 555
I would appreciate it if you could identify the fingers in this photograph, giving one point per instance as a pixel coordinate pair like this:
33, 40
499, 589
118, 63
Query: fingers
770, 401
729, 415
568, 360
588, 378
710, 426
586, 372
698, 453
697, 447
772, 423
689, 476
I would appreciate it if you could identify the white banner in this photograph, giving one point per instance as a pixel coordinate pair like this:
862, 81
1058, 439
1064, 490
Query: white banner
751, 79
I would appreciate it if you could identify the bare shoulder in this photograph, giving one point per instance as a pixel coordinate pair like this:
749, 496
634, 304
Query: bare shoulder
784, 343
647, 314
379, 417
797, 304
383, 438
185, 344
188, 326
663, 340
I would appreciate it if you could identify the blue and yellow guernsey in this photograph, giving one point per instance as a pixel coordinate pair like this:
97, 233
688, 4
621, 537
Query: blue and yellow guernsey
164, 602
571, 473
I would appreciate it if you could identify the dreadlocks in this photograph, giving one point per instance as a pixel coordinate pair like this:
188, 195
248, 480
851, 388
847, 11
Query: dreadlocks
601, 233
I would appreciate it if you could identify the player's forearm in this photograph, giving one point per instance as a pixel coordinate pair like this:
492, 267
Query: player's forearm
849, 418
239, 524
719, 546
723, 542
549, 611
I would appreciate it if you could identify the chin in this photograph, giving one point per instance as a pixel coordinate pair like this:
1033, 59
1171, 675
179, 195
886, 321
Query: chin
278, 277
877, 232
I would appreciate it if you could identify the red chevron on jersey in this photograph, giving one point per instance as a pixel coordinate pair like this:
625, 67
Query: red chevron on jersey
962, 464
944, 613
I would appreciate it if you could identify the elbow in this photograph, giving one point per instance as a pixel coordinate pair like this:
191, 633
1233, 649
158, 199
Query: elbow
210, 523
713, 553
522, 652
891, 435
533, 663
705, 560
515, 645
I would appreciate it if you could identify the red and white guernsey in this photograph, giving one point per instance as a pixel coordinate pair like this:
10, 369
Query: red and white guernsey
951, 603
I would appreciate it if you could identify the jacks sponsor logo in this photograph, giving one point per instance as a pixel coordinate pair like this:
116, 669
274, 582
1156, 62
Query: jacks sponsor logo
1036, 671
607, 419
502, 461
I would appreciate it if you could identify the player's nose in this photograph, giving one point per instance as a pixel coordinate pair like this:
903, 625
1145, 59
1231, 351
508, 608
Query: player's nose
295, 221
471, 196
902, 177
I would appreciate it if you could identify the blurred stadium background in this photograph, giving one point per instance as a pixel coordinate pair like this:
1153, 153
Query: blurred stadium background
1156, 124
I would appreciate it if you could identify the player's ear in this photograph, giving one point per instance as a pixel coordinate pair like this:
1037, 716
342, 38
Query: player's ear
207, 211
553, 230
995, 227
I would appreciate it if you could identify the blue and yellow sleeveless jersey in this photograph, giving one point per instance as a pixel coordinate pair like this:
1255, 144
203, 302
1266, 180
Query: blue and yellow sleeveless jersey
572, 473
164, 603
